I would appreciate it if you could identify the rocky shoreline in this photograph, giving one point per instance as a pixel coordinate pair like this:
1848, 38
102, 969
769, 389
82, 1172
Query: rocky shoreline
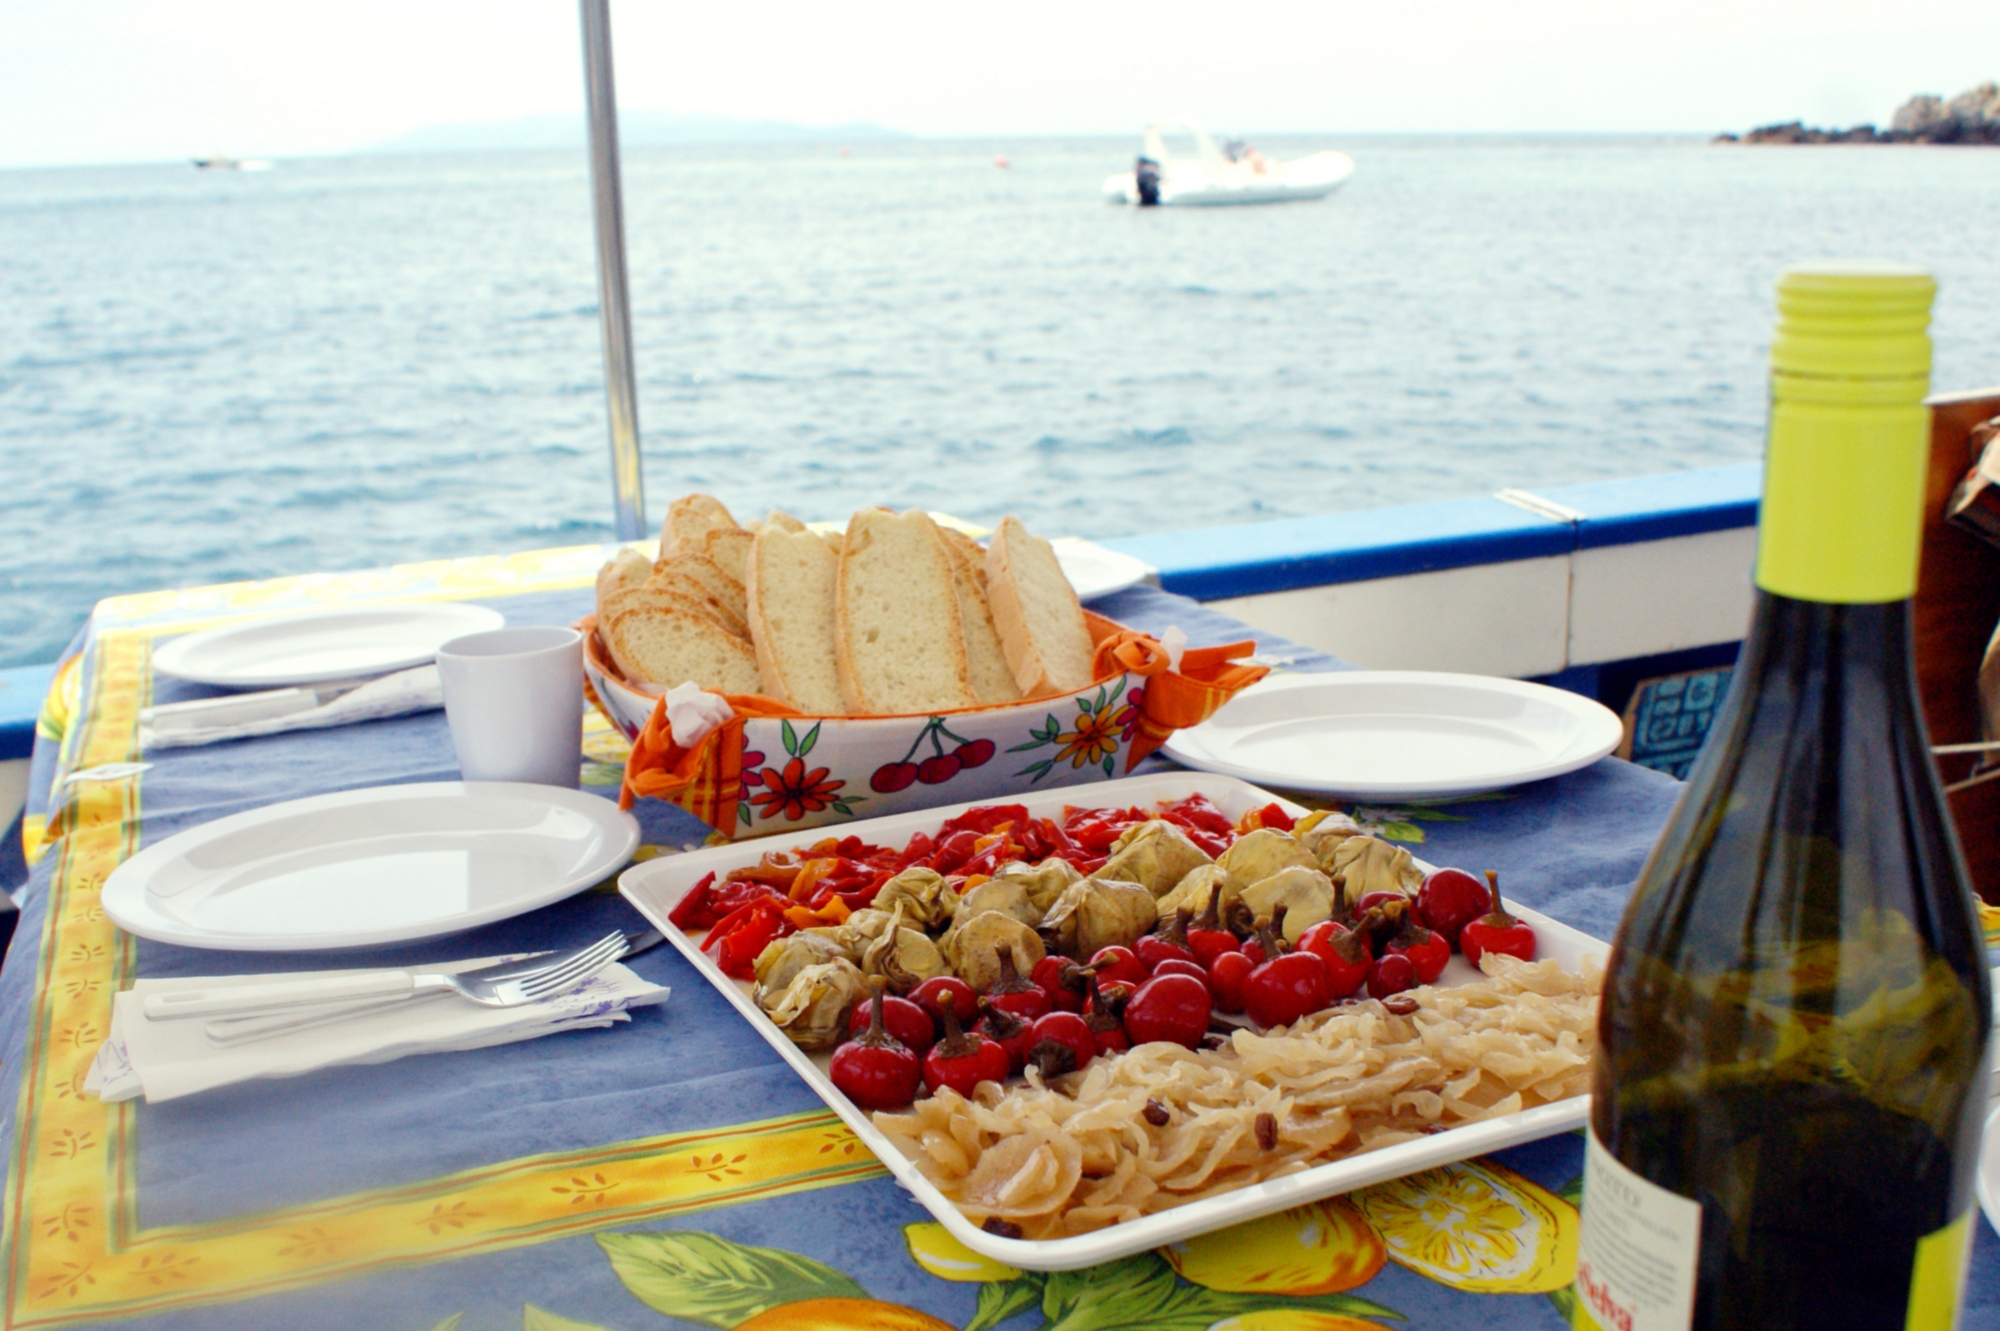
1972, 118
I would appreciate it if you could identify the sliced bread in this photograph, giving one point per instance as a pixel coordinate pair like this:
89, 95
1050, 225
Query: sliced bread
689, 518
899, 644
627, 568
729, 547
986, 662
969, 550
675, 582
791, 587
669, 645
783, 521
710, 575
1039, 619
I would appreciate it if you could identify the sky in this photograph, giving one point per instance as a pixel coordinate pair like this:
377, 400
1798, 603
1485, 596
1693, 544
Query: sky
91, 81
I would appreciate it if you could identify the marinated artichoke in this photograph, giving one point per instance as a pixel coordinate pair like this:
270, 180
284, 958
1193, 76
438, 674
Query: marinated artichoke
1097, 913
1045, 881
1261, 853
813, 1008
1321, 832
862, 928
1157, 857
926, 898
1363, 864
1191, 894
973, 947
1306, 895
903, 956
782, 959
1009, 896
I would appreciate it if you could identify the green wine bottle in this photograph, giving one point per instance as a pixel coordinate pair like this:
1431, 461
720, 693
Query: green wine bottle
1792, 1077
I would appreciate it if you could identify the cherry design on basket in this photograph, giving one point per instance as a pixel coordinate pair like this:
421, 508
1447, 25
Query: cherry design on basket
937, 769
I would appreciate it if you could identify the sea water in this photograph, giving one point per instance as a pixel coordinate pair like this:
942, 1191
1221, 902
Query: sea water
346, 362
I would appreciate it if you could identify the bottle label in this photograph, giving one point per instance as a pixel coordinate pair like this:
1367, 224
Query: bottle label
1937, 1283
1635, 1264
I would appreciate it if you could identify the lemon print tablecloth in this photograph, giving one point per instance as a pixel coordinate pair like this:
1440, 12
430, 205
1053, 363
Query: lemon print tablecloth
668, 1173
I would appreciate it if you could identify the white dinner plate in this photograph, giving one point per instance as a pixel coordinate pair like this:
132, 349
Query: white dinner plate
1398, 734
320, 646
1096, 571
361, 868
658, 885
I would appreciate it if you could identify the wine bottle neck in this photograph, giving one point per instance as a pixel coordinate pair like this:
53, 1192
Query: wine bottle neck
1874, 636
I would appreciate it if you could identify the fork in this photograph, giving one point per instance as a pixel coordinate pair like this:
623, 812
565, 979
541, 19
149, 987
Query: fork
502, 985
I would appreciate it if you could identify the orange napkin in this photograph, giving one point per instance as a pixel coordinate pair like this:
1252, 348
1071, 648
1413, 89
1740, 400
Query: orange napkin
706, 780
1173, 699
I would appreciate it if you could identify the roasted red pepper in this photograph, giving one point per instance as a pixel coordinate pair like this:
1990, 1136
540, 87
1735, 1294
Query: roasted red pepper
740, 936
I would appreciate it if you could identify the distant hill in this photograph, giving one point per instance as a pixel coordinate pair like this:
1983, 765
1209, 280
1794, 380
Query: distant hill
635, 129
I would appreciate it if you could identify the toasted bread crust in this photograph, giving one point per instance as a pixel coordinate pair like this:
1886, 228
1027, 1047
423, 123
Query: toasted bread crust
696, 634
986, 659
1034, 661
627, 568
710, 575
688, 519
678, 583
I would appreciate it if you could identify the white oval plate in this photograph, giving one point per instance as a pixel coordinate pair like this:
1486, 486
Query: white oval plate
361, 868
321, 646
1398, 734
658, 885
1096, 571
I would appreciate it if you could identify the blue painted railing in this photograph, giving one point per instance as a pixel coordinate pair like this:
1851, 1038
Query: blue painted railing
1212, 563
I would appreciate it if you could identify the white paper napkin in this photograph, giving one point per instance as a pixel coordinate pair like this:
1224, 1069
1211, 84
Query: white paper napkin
215, 720
164, 1060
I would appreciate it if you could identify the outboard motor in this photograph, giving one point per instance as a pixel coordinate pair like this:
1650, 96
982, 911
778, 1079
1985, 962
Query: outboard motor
1147, 175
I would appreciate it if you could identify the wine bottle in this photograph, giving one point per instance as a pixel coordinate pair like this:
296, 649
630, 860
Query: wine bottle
1793, 1037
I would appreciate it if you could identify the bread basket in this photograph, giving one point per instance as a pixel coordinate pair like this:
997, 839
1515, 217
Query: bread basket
769, 769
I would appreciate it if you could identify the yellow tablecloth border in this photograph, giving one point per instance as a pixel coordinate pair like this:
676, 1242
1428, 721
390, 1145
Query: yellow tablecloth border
76, 1248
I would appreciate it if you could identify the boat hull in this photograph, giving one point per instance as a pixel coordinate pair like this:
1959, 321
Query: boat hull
1194, 184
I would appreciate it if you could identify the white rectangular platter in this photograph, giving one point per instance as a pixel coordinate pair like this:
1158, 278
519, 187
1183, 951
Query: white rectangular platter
657, 886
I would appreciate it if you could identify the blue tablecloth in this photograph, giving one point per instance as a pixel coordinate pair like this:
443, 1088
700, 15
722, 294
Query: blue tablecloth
671, 1172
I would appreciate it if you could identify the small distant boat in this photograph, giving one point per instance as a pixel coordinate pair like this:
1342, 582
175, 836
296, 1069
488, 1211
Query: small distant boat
224, 162
1234, 173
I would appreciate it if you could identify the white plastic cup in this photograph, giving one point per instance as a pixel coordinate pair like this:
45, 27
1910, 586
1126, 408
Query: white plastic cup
514, 699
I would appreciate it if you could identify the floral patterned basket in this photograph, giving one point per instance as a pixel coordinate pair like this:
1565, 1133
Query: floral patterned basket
769, 769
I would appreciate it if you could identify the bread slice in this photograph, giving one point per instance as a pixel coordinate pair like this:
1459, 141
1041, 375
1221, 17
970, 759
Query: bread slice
791, 589
710, 575
627, 568
986, 661
899, 644
673, 582
729, 547
668, 645
689, 518
783, 521
964, 547
1036, 612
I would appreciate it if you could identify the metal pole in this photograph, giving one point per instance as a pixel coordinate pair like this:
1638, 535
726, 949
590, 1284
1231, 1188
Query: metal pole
627, 487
